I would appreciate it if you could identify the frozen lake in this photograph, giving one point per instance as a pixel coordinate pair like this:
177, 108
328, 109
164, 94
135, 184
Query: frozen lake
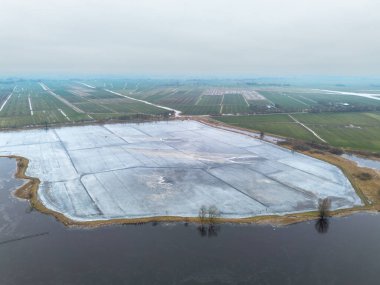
171, 169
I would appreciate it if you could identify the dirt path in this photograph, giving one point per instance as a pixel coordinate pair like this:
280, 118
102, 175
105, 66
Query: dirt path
30, 106
245, 99
6, 100
64, 114
307, 128
177, 113
87, 85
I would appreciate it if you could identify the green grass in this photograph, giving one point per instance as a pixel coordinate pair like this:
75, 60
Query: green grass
135, 107
16, 112
100, 94
360, 131
180, 97
100, 104
207, 100
349, 130
234, 99
17, 105
91, 107
198, 110
4, 93
329, 99
298, 100
284, 102
340, 119
69, 96
235, 109
272, 124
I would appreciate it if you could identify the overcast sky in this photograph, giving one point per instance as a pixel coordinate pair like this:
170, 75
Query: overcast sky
190, 37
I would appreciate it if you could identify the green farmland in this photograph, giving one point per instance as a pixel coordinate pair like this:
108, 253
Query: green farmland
298, 100
349, 130
341, 120
279, 124
192, 100
28, 104
359, 131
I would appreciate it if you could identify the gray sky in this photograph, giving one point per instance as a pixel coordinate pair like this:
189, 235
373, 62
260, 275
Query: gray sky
190, 37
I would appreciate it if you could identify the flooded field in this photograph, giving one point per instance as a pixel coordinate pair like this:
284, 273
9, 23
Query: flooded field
37, 249
363, 162
173, 168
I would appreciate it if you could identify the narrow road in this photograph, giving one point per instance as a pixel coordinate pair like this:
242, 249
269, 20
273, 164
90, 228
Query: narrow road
365, 95
64, 114
6, 100
47, 89
30, 106
87, 85
245, 99
177, 113
307, 128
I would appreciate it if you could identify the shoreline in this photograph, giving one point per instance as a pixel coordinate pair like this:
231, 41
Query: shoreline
368, 191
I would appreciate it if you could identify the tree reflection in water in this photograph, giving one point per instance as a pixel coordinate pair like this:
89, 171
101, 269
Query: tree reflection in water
322, 225
209, 230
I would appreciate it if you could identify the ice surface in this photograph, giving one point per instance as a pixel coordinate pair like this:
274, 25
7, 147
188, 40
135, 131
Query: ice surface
171, 168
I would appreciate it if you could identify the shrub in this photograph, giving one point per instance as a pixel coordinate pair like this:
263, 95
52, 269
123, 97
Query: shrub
301, 147
364, 176
336, 151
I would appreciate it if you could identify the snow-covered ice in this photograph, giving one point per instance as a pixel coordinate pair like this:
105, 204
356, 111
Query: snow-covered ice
171, 169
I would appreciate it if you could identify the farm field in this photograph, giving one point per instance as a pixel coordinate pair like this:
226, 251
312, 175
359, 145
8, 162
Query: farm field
349, 130
205, 99
70, 101
123, 171
51, 102
242, 100
299, 100
360, 131
28, 106
278, 124
200, 100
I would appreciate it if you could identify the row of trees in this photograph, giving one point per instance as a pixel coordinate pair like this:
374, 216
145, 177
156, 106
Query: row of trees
211, 214
208, 218
208, 215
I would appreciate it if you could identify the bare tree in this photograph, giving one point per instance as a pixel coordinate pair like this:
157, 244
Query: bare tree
202, 214
213, 214
324, 206
208, 218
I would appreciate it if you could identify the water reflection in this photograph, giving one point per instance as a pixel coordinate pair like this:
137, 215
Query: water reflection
211, 230
322, 225
153, 253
